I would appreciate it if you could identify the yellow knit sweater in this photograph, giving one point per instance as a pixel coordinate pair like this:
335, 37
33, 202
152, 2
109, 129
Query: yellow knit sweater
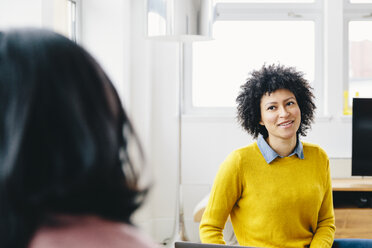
287, 203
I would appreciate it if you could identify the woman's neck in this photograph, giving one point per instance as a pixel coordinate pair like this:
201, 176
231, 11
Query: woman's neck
283, 147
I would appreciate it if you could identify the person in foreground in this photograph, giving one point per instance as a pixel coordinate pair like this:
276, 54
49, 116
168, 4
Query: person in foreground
66, 177
277, 190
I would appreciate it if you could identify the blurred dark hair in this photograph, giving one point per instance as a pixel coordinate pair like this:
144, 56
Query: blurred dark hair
63, 137
267, 80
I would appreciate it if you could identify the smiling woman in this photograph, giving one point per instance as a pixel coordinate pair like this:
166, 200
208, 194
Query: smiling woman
279, 187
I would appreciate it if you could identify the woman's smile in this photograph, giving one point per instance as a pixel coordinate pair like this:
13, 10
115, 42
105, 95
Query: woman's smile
286, 124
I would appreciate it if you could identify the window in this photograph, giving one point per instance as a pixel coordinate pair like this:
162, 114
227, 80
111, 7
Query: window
360, 58
221, 66
72, 19
246, 36
358, 65
66, 21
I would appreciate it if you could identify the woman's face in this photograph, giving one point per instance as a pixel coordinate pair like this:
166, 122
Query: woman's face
280, 114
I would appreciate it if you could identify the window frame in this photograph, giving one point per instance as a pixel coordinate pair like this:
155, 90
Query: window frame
262, 12
74, 22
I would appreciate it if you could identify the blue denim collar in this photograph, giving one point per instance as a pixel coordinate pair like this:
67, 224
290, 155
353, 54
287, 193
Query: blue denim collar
269, 154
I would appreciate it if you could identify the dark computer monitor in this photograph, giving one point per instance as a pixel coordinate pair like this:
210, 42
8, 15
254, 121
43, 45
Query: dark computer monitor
362, 137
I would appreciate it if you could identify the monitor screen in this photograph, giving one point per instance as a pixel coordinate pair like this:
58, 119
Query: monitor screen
362, 137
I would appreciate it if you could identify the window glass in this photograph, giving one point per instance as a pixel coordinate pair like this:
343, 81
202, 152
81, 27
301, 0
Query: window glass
222, 65
360, 59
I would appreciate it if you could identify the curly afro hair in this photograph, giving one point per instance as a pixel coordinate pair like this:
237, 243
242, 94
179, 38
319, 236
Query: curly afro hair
267, 80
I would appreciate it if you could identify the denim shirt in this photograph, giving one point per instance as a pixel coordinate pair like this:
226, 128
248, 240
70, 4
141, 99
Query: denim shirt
269, 154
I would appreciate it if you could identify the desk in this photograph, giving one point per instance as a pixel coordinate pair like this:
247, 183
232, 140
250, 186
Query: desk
352, 184
353, 221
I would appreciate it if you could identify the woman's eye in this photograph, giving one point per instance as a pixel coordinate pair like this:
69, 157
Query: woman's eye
290, 103
271, 108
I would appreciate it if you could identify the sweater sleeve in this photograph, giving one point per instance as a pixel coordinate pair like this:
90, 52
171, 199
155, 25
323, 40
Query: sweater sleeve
324, 234
226, 190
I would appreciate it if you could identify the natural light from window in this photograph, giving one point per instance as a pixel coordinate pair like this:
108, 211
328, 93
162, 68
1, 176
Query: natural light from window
221, 66
71, 20
360, 59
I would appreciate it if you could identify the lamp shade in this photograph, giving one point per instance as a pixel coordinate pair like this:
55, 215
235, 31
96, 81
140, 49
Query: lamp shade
180, 20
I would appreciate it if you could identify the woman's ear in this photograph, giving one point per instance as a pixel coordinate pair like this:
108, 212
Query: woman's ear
261, 123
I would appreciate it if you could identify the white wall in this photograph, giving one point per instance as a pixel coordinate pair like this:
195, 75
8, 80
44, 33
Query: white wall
102, 33
20, 13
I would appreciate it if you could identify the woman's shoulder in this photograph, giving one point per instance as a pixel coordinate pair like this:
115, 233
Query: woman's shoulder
310, 148
241, 155
249, 149
89, 231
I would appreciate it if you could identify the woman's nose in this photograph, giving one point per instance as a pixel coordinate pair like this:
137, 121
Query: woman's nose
283, 112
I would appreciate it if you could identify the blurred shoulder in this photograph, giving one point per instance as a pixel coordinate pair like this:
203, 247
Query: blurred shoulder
92, 232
